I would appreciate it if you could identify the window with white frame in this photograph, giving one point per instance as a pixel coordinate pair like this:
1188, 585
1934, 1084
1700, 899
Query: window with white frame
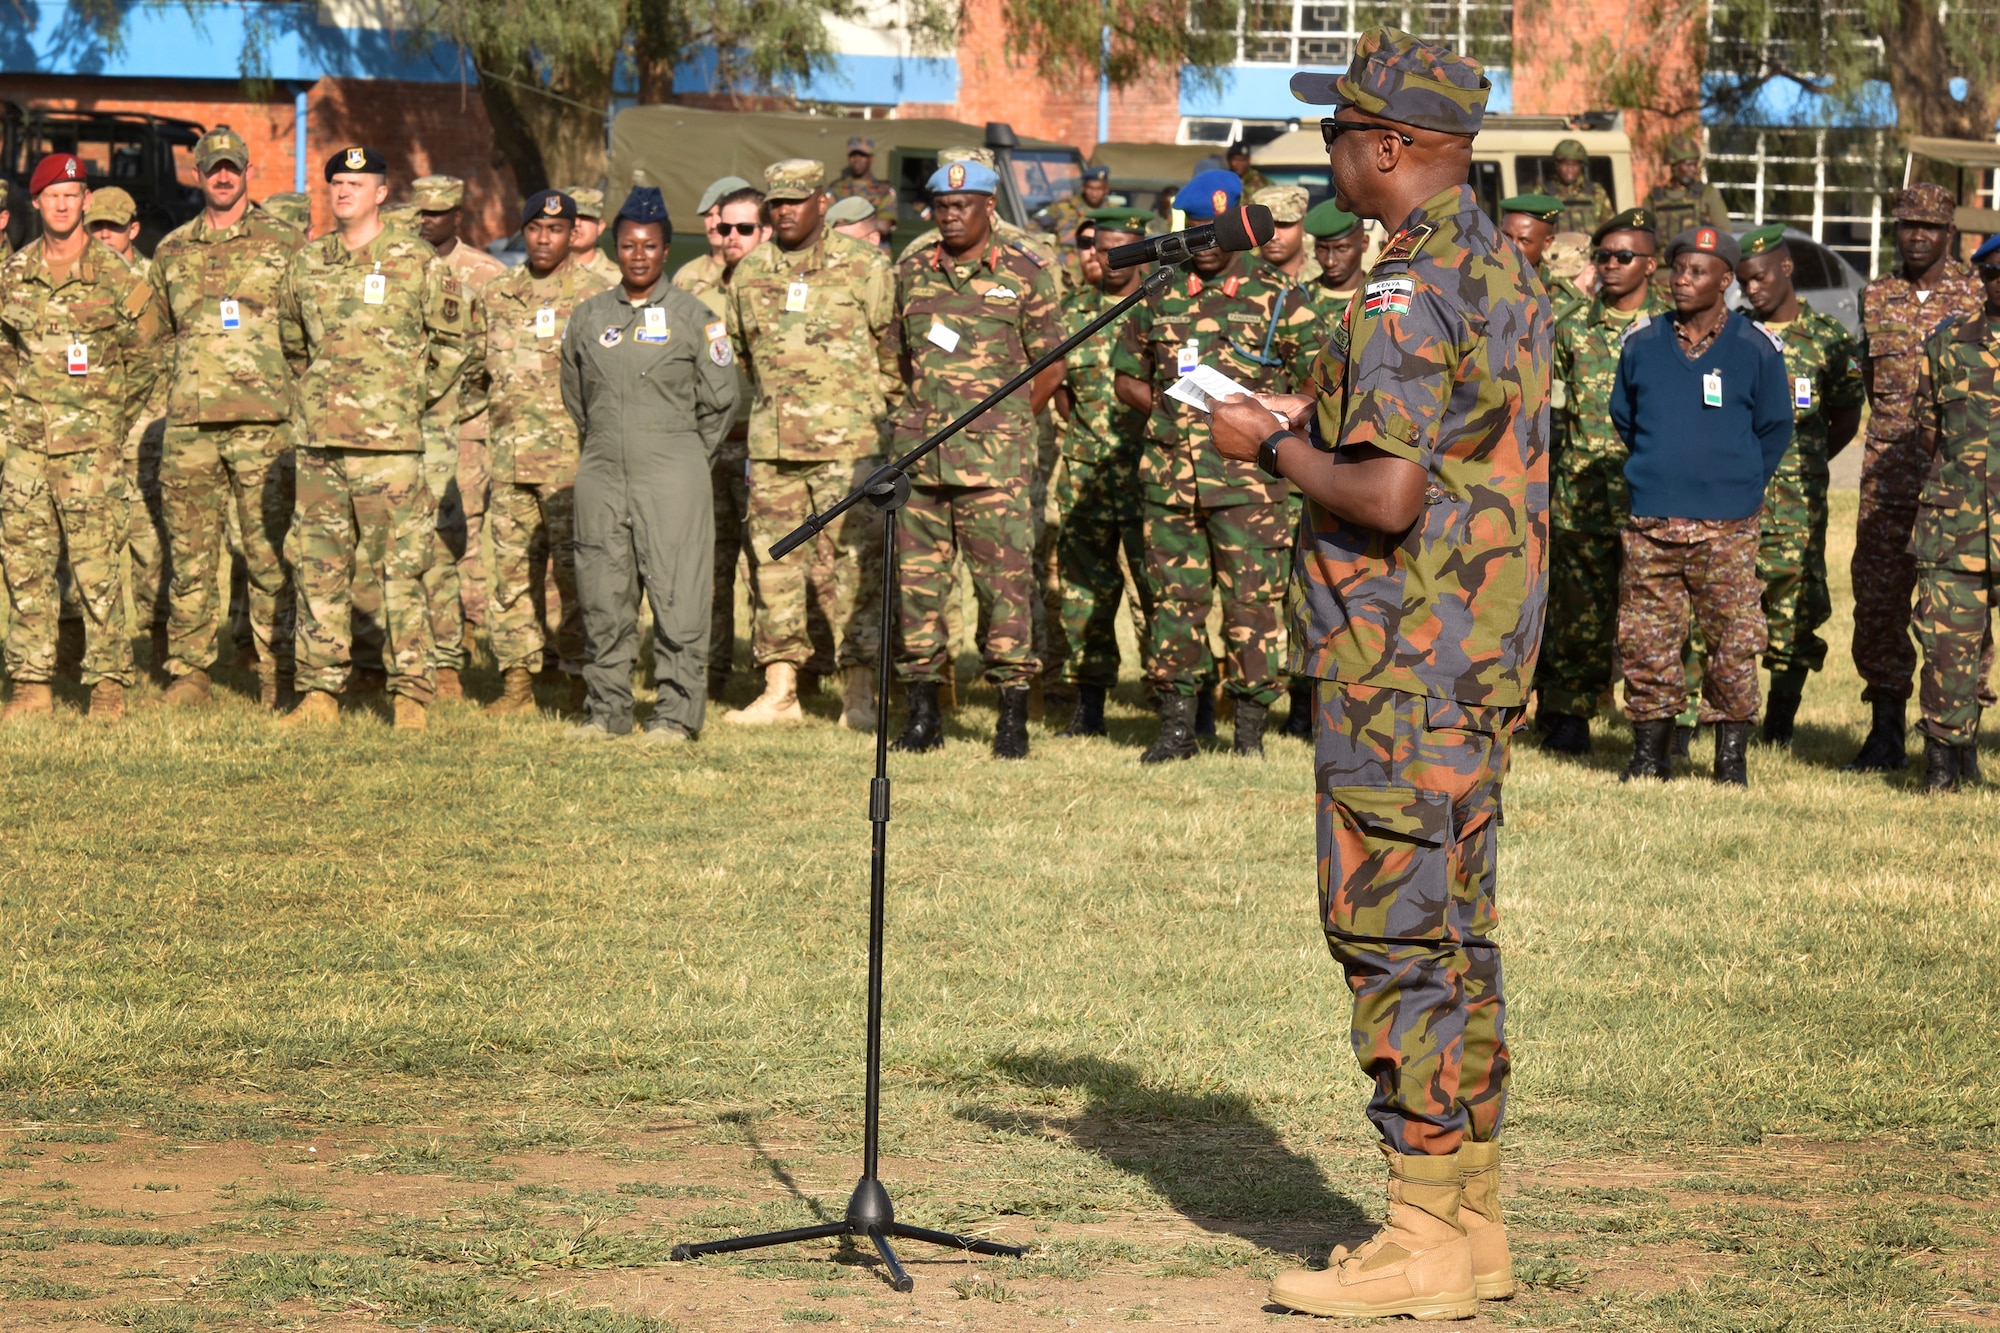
1322, 33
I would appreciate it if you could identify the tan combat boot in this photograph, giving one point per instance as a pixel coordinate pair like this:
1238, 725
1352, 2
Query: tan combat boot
36, 699
410, 714
316, 709
1479, 1210
450, 690
1419, 1264
517, 694
267, 691
189, 690
857, 698
107, 701
778, 703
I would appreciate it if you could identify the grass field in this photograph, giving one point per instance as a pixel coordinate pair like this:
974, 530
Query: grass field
468, 1029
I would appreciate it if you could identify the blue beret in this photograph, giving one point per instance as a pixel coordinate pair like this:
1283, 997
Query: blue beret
1209, 193
1988, 250
964, 178
645, 206
548, 204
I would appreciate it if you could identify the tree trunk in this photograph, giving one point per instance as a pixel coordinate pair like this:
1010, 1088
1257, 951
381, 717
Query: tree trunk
511, 134
1920, 70
545, 135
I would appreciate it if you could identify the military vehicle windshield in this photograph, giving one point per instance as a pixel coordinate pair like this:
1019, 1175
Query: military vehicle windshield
1044, 175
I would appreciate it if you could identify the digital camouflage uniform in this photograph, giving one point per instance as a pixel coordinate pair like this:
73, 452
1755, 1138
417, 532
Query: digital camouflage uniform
63, 484
811, 327
1586, 206
706, 278
1894, 324
1214, 524
1588, 506
462, 515
1099, 499
1956, 540
533, 445
376, 361
229, 438
149, 568
1424, 643
963, 328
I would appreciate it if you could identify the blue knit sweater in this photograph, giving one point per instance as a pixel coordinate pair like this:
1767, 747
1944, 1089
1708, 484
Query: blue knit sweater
1688, 459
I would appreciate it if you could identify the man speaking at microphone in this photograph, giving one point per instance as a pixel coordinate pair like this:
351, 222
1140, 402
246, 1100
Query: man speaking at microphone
1418, 589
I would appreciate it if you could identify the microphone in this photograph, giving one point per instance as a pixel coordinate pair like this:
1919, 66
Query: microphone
1245, 228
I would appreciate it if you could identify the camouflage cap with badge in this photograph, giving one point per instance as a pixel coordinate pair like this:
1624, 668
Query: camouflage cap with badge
1288, 203
961, 153
357, 162
1398, 77
1924, 202
220, 145
589, 202
793, 178
437, 194
111, 205
1763, 241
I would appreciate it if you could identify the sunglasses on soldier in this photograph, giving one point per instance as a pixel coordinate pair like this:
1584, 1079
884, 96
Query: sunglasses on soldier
1618, 257
1331, 129
740, 228
1989, 272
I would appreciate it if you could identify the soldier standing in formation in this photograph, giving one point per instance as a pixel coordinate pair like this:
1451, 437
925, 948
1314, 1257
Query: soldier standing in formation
858, 182
377, 328
1825, 377
704, 270
1099, 493
969, 313
854, 218
1683, 200
84, 343
1529, 221
583, 242
1956, 540
1064, 214
1249, 179
1585, 205
1898, 311
649, 379
809, 317
229, 441
1212, 524
1589, 501
534, 458
1339, 242
1285, 253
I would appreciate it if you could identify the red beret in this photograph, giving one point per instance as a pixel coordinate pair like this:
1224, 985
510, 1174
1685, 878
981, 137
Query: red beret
53, 168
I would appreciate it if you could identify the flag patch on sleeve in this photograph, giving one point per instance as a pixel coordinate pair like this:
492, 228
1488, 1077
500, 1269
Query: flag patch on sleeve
1388, 296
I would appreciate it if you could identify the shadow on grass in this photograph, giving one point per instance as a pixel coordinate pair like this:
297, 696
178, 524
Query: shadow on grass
1220, 1164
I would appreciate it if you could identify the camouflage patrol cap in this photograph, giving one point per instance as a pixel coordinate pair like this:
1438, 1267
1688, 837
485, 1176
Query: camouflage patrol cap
1570, 150
716, 189
294, 210
983, 156
401, 217
1288, 203
1682, 149
1763, 240
1568, 255
852, 208
220, 144
1328, 221
1544, 207
1404, 79
1923, 202
793, 178
437, 194
861, 143
1632, 219
589, 202
112, 205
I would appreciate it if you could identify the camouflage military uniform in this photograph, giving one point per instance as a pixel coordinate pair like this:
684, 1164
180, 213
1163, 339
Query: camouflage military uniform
1586, 206
706, 278
65, 421
1588, 506
533, 446
1424, 643
229, 439
962, 329
1676, 208
1213, 524
1956, 541
1099, 500
1253, 181
378, 336
1679, 572
462, 516
148, 566
811, 327
1894, 324
879, 193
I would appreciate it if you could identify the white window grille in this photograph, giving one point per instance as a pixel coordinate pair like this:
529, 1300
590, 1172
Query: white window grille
1322, 33
1828, 183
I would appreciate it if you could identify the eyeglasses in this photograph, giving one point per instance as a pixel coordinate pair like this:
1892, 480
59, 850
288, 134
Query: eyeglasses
1331, 129
1618, 257
739, 228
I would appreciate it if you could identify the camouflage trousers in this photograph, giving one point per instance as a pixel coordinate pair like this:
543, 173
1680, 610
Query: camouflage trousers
443, 589
359, 513
1100, 518
532, 524
1408, 832
146, 545
994, 529
1051, 644
821, 606
1884, 572
48, 502
731, 492
1791, 564
1191, 554
1680, 571
1954, 623
206, 473
475, 497
1580, 646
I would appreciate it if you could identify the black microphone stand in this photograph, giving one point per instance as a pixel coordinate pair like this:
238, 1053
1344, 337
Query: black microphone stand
870, 1214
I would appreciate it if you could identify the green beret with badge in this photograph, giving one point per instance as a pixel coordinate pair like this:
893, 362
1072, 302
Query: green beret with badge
1545, 208
1632, 219
1328, 221
1132, 220
1763, 240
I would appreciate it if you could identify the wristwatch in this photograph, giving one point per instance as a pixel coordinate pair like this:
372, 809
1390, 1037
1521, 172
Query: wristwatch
1267, 452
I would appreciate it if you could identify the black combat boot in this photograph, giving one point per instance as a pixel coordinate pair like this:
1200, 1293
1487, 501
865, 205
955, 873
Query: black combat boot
1882, 751
1649, 751
1968, 765
1683, 738
1299, 721
1781, 710
1565, 733
1176, 738
1010, 737
1250, 717
1204, 713
1088, 719
1943, 765
926, 728
1731, 738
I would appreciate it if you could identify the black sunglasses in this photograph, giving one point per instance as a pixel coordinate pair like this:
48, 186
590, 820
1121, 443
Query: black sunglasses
1618, 257
1988, 272
1331, 129
740, 228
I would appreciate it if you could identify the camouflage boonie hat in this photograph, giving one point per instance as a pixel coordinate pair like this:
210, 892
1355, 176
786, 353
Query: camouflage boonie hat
1402, 78
1923, 202
983, 156
1570, 150
1632, 219
220, 144
1681, 150
294, 210
589, 202
1288, 203
793, 178
852, 208
861, 143
1763, 240
112, 205
1568, 255
437, 194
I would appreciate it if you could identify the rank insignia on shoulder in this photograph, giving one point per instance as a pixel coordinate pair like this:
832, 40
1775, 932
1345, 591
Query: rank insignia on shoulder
1777, 343
1402, 248
1633, 328
1388, 296
1230, 284
612, 336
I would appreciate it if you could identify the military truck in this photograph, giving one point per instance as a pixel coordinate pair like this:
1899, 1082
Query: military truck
132, 151
681, 149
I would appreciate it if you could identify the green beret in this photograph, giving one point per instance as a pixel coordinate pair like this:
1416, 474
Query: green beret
1632, 219
1134, 220
1763, 240
1328, 221
1534, 205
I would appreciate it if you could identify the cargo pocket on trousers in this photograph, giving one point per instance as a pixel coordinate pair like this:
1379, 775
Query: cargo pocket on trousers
1385, 858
